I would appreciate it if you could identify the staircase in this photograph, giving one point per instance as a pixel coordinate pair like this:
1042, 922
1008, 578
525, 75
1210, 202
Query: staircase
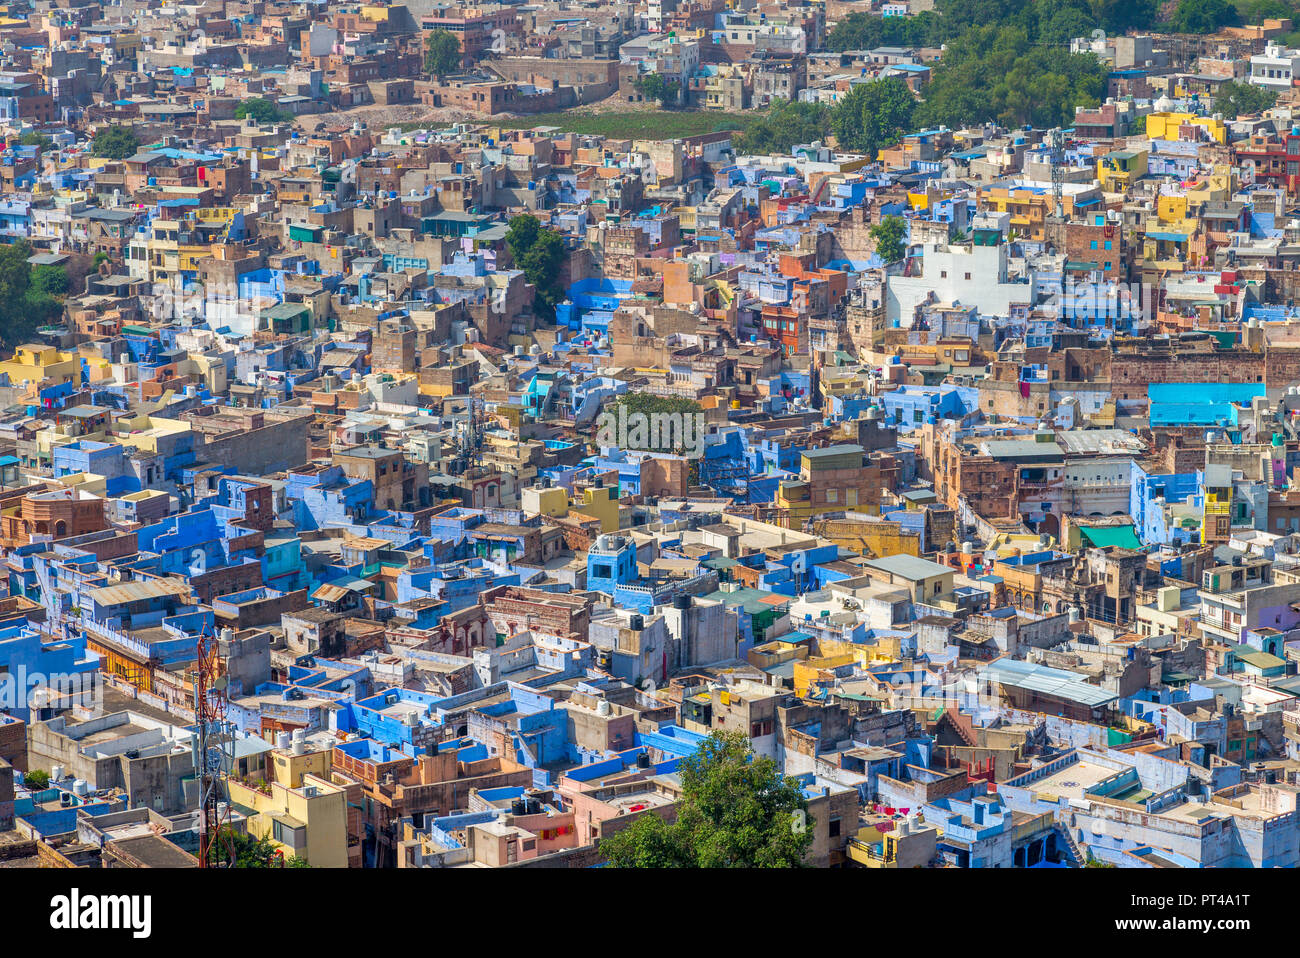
1075, 857
961, 724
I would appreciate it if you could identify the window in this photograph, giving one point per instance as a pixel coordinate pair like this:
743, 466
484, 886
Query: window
835, 827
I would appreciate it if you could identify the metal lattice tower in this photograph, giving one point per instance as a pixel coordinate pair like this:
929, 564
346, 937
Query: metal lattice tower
469, 441
1056, 158
212, 745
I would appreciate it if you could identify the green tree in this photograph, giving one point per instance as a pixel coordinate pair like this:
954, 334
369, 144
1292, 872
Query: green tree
1242, 99
785, 126
1117, 16
736, 811
652, 86
37, 780
51, 280
1204, 16
1256, 11
100, 257
539, 252
999, 72
262, 110
873, 116
889, 235
441, 53
866, 31
115, 143
648, 404
250, 852
32, 138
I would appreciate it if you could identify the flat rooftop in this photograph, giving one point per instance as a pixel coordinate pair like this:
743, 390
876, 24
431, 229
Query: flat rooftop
1073, 780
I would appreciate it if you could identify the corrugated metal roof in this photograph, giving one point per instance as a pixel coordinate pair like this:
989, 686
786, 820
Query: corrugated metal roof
330, 593
139, 591
1058, 683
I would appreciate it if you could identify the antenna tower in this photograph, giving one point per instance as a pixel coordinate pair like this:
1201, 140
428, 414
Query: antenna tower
211, 755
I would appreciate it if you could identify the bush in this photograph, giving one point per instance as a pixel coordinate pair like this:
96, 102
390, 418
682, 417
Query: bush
37, 780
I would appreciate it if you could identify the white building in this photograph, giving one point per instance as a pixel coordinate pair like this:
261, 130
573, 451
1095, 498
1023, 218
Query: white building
970, 275
1275, 68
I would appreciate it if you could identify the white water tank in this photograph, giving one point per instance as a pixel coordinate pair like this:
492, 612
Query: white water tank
81, 788
56, 773
282, 739
602, 707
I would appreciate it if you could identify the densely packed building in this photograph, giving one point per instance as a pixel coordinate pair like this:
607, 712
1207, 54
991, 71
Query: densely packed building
493, 469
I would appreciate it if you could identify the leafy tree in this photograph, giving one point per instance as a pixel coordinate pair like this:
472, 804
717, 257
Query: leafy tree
1256, 11
652, 86
873, 116
648, 404
115, 143
1204, 16
1242, 99
785, 126
441, 53
51, 280
22, 309
865, 31
250, 852
539, 252
889, 235
262, 110
1000, 73
1138, 127
100, 257
37, 780
32, 138
1117, 16
736, 811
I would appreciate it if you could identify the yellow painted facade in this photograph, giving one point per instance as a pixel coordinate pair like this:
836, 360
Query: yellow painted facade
1164, 126
38, 364
309, 821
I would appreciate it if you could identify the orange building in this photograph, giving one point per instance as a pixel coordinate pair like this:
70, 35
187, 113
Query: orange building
57, 514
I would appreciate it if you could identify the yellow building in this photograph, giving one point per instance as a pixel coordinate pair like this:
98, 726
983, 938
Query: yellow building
552, 501
1164, 126
1120, 169
38, 364
177, 245
307, 821
600, 502
817, 669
